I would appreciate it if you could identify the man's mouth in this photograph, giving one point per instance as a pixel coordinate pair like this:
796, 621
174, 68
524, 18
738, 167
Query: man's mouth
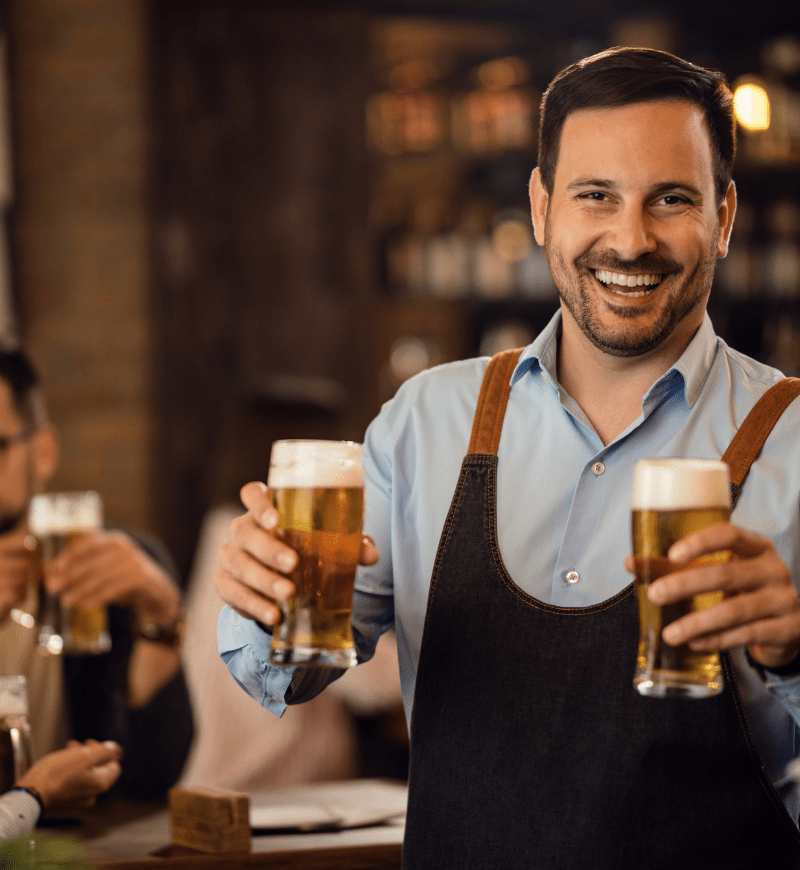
621, 282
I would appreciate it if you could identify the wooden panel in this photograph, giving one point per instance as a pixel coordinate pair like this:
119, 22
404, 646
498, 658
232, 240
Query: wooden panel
260, 246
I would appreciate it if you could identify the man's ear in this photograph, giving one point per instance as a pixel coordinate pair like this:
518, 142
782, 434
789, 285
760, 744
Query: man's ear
539, 200
45, 452
726, 213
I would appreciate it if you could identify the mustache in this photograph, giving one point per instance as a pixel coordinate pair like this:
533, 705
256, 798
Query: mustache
646, 263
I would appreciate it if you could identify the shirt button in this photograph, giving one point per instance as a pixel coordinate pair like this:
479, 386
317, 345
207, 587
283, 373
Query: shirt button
598, 468
572, 577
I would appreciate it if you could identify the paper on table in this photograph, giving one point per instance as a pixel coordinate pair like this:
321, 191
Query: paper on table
326, 806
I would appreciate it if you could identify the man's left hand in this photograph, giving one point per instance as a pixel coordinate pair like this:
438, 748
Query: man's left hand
760, 608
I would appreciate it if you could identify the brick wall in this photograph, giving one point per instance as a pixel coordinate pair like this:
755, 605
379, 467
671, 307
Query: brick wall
80, 237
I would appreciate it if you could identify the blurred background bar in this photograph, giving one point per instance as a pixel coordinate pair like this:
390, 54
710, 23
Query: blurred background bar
216, 205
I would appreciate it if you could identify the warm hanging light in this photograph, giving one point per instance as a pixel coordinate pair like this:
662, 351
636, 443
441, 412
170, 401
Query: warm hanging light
751, 106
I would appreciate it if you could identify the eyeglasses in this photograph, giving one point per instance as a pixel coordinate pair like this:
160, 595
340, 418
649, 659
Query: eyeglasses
8, 441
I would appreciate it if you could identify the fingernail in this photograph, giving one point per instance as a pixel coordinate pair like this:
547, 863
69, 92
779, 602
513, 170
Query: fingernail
287, 561
269, 519
672, 634
678, 553
269, 617
282, 588
655, 593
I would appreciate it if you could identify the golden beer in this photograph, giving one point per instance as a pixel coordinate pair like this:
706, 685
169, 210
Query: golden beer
661, 515
317, 488
56, 521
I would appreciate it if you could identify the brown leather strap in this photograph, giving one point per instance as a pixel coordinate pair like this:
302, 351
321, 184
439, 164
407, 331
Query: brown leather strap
496, 386
748, 441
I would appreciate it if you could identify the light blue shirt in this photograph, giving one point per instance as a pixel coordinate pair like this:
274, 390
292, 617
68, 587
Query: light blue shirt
563, 508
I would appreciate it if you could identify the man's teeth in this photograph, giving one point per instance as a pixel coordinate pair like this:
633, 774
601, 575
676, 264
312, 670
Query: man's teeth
648, 280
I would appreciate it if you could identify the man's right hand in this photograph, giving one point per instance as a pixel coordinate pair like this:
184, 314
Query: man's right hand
17, 571
254, 565
75, 775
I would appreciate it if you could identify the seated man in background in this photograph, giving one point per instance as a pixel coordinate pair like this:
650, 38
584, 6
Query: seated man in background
135, 694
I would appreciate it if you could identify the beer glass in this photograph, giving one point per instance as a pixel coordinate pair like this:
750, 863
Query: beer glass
56, 520
16, 746
671, 499
318, 489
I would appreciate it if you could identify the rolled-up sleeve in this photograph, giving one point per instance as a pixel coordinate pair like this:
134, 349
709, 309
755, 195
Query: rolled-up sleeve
244, 647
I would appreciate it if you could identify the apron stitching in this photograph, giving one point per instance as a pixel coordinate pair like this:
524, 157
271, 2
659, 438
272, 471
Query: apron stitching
448, 524
508, 582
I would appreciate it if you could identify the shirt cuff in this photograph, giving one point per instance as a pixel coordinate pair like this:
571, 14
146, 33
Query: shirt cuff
244, 647
19, 813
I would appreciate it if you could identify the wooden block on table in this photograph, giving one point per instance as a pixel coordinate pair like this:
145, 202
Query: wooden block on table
210, 819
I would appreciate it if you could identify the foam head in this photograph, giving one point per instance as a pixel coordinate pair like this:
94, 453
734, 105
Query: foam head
323, 464
680, 484
13, 696
61, 512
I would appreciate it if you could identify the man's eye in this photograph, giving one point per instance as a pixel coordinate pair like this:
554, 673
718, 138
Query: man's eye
594, 195
672, 199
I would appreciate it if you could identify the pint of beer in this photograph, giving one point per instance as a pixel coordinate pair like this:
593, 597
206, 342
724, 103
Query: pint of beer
16, 746
318, 489
671, 499
56, 520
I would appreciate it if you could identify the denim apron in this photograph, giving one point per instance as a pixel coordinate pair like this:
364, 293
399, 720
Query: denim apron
530, 747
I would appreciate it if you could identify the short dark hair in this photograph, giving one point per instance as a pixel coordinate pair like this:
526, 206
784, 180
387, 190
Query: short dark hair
622, 76
17, 370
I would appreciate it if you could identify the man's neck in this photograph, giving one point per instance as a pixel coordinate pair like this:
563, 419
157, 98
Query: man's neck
609, 389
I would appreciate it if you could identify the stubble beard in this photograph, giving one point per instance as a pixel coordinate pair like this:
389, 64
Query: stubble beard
628, 340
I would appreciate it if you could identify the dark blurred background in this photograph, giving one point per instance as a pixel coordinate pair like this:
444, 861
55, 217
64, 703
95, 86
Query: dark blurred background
228, 221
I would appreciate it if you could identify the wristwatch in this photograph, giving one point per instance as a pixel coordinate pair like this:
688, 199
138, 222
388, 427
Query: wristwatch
169, 635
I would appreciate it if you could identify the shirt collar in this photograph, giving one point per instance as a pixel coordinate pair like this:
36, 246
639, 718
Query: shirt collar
690, 371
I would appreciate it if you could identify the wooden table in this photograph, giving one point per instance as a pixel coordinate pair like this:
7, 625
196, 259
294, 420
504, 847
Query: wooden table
142, 841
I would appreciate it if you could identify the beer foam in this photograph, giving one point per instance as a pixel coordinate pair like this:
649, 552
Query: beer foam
13, 696
678, 484
61, 512
323, 464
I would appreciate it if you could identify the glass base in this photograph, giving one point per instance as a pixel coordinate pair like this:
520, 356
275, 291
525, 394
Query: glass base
676, 689
313, 657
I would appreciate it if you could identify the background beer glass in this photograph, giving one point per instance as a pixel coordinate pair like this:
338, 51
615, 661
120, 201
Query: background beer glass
56, 520
318, 489
16, 746
671, 499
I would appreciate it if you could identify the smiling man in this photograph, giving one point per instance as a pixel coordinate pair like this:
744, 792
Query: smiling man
505, 574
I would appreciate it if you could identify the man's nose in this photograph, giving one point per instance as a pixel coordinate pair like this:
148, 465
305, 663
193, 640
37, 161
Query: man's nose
631, 233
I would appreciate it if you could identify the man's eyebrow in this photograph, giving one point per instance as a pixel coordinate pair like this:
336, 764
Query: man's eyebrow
667, 186
580, 183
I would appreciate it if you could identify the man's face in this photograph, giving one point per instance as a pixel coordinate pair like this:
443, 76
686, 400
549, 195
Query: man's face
632, 230
17, 464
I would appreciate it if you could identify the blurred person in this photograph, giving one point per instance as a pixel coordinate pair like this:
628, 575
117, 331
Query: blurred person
499, 508
135, 694
61, 779
339, 734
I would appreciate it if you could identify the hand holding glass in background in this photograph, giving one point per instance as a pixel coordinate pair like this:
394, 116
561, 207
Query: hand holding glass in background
56, 520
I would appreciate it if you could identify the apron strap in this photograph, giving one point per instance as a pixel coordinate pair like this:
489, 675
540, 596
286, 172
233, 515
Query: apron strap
496, 386
748, 441
741, 452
